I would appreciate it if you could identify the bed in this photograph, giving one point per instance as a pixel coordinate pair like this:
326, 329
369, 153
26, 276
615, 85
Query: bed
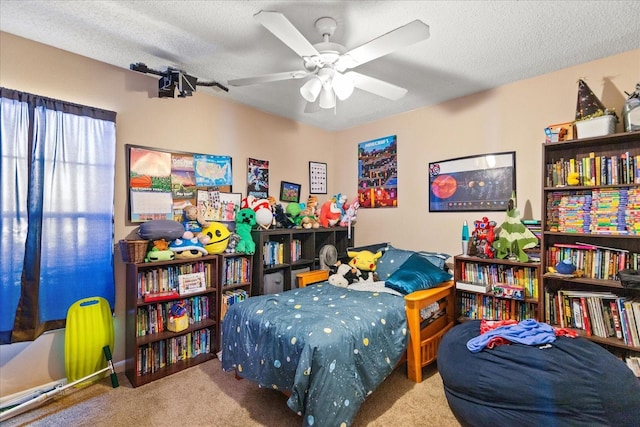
329, 347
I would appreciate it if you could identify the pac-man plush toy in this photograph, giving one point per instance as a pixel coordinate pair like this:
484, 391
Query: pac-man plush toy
218, 237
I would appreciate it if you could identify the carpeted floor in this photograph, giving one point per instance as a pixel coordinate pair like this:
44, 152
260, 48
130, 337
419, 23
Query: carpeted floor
206, 396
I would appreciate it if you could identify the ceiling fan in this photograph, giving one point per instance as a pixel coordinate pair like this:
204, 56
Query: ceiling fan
326, 62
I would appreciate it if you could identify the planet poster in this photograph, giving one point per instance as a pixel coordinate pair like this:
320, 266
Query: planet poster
473, 183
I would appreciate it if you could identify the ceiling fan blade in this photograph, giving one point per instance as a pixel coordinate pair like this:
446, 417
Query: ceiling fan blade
280, 26
266, 78
396, 39
375, 86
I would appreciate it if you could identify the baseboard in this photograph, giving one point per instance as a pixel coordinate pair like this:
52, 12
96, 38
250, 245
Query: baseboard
26, 395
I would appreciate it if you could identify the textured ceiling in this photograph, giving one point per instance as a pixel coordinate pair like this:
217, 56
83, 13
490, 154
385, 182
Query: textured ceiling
474, 45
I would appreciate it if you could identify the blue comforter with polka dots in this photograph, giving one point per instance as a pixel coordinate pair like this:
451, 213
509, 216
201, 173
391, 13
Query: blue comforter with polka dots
330, 347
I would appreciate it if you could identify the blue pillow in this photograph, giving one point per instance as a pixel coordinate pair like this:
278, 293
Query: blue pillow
416, 273
436, 258
390, 261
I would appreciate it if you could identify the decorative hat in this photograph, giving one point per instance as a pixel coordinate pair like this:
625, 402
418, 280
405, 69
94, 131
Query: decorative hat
588, 106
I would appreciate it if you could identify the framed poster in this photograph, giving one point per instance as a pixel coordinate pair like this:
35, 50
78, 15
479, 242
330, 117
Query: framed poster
474, 183
317, 178
289, 192
378, 173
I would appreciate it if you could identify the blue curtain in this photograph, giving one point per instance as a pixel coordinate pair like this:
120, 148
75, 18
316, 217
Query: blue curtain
58, 162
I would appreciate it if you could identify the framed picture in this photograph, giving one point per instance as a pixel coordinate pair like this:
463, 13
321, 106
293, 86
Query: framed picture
289, 192
474, 183
317, 178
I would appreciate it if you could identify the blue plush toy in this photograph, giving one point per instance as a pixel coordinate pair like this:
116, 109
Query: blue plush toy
565, 267
245, 221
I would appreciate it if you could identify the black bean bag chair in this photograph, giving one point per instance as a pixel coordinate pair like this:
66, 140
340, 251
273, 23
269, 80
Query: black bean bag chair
574, 382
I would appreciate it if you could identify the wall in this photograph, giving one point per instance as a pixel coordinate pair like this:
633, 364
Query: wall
511, 117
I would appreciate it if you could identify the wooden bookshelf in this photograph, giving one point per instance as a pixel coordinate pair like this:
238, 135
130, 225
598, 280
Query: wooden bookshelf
478, 284
283, 268
152, 349
575, 226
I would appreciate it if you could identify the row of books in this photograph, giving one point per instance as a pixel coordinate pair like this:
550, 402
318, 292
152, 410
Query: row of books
494, 274
599, 211
594, 261
153, 318
600, 314
595, 170
478, 306
236, 270
229, 298
273, 252
160, 354
166, 278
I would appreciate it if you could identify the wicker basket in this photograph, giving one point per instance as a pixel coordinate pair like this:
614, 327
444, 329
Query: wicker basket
133, 250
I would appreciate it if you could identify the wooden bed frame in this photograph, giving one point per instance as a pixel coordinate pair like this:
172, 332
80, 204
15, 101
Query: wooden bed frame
423, 343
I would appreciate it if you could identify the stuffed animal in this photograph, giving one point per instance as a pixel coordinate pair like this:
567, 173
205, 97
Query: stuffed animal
308, 218
159, 252
193, 221
343, 275
217, 237
187, 247
514, 237
282, 219
264, 215
245, 221
365, 261
350, 213
330, 214
293, 212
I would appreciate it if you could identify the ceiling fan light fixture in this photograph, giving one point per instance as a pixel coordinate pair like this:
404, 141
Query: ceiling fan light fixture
342, 86
327, 98
311, 89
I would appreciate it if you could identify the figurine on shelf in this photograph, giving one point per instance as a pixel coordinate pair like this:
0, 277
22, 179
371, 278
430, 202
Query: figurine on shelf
483, 236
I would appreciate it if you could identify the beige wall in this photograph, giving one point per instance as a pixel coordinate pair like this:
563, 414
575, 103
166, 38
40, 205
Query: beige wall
509, 118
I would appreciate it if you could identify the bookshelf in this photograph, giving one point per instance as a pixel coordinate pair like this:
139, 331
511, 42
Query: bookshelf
234, 276
281, 253
496, 289
595, 224
152, 350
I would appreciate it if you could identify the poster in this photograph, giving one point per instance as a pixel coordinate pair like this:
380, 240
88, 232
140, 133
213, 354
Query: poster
258, 178
149, 184
162, 183
378, 173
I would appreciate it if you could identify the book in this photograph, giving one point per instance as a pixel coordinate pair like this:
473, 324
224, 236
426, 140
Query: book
615, 315
633, 330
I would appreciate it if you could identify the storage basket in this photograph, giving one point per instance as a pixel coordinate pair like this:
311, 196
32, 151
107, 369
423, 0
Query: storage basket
133, 250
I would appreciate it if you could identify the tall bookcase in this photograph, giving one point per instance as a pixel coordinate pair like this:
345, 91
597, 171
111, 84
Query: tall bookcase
595, 225
234, 277
497, 289
280, 253
152, 350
